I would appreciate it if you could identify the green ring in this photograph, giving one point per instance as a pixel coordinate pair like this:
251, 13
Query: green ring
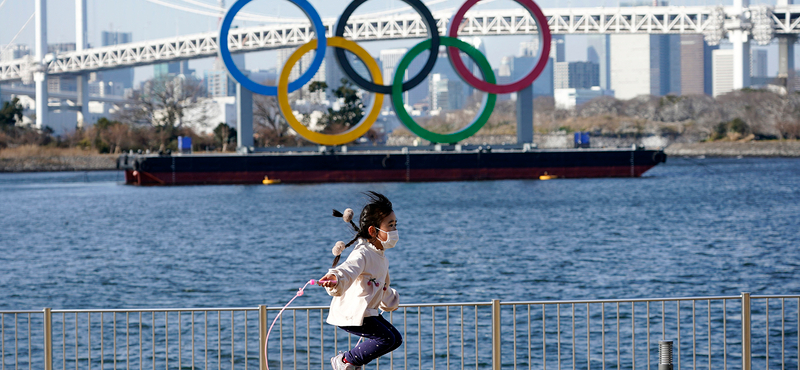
397, 93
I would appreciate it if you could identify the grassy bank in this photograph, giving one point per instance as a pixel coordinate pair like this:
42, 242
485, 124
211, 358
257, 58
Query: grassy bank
32, 158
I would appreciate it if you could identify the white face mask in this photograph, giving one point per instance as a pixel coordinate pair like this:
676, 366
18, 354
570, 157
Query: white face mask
391, 240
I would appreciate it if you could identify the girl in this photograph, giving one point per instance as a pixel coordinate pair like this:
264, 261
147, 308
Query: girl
360, 285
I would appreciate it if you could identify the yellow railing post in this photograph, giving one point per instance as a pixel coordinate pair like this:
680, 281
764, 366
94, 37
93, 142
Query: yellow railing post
746, 331
496, 363
262, 335
48, 340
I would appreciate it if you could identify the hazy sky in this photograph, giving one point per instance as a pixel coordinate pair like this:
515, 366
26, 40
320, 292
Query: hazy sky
148, 20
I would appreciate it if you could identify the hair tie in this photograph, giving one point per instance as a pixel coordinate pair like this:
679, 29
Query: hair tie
338, 248
347, 216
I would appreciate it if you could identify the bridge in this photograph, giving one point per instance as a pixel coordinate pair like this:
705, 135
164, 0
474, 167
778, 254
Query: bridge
739, 23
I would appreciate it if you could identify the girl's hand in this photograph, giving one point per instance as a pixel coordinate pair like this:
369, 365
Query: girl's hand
328, 281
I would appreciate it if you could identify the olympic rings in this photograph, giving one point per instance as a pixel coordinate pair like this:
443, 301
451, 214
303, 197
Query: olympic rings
225, 54
433, 30
488, 100
356, 131
466, 74
488, 84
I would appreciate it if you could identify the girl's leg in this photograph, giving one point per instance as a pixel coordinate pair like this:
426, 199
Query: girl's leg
381, 336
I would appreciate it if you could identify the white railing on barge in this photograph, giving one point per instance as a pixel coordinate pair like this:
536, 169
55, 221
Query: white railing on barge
708, 332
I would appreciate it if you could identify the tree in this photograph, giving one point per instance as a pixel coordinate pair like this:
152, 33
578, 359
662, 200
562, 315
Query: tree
350, 111
224, 135
269, 125
163, 102
11, 113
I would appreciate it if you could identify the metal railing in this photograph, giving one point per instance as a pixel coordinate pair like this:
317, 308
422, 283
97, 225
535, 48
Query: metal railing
736, 332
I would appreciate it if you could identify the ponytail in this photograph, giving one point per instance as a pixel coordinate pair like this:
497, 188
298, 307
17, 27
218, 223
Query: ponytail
373, 213
340, 246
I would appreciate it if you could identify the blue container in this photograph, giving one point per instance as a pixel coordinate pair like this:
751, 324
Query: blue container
184, 144
581, 139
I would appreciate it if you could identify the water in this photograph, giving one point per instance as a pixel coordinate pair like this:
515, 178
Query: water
690, 227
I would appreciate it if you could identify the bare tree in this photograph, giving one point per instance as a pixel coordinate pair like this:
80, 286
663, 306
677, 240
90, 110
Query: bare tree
269, 125
163, 102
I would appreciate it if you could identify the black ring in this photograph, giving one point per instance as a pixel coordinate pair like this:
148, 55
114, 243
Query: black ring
433, 30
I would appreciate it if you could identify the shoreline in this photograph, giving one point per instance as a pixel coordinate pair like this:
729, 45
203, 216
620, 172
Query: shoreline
59, 163
75, 162
778, 149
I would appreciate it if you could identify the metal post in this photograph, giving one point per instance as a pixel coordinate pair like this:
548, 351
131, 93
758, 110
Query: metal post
496, 363
81, 43
48, 340
746, 331
262, 335
786, 61
525, 115
244, 119
665, 355
40, 76
740, 37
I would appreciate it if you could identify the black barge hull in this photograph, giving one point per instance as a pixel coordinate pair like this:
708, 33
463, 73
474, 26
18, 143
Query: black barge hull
385, 166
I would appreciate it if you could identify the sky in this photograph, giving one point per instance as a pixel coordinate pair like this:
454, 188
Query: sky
147, 20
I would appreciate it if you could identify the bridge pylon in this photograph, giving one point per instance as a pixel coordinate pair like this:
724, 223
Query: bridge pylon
40, 70
81, 43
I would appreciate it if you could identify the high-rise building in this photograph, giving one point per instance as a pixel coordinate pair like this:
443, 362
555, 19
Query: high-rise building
758, 68
301, 67
558, 50
758, 63
670, 65
218, 82
115, 38
599, 51
523, 64
13, 51
722, 60
576, 75
174, 69
438, 90
117, 80
571, 98
389, 60
446, 94
503, 75
645, 65
62, 47
696, 68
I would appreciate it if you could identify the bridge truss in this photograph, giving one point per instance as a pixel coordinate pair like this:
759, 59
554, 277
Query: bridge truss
762, 22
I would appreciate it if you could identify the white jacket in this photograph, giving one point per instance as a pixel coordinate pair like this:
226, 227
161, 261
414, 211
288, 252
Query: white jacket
362, 288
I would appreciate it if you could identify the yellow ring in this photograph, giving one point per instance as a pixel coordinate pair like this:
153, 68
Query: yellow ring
356, 131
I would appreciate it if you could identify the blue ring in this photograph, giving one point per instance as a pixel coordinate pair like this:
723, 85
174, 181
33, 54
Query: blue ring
247, 83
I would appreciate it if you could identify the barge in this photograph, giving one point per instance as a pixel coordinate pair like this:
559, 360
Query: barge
399, 164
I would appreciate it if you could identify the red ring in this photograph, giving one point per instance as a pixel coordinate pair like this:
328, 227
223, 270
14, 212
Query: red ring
466, 74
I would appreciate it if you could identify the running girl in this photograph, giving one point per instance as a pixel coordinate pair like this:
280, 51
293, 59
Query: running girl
360, 285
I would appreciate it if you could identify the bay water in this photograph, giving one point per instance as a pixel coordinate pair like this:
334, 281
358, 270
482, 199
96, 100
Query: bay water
690, 227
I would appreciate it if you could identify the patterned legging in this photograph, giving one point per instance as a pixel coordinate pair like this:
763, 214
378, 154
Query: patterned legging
380, 338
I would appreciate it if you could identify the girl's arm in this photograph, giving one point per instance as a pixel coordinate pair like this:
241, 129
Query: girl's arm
390, 300
347, 272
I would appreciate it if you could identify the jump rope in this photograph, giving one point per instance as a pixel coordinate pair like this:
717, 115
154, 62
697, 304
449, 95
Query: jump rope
298, 294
